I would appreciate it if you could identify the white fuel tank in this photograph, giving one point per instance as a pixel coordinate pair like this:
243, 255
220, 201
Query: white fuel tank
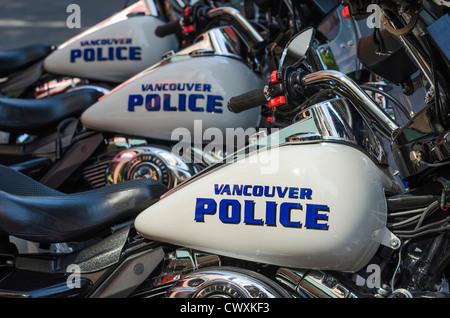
312, 205
191, 93
113, 50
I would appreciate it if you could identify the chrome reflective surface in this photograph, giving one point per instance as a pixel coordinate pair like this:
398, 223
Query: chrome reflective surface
181, 262
152, 8
239, 22
233, 40
348, 88
225, 282
336, 120
366, 111
328, 121
149, 162
296, 49
223, 41
315, 284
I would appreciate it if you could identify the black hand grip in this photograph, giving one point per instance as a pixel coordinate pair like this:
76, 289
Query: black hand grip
168, 28
247, 100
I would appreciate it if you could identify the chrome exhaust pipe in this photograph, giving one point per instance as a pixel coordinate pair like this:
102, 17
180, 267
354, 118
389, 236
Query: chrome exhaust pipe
316, 284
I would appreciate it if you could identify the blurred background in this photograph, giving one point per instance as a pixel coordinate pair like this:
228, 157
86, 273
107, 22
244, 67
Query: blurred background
24, 22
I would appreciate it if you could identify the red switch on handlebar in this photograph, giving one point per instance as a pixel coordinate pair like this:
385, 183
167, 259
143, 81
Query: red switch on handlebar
273, 77
188, 29
278, 101
186, 11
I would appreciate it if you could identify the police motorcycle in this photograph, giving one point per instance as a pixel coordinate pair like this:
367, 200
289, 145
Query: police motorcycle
123, 263
182, 255
329, 217
106, 54
131, 132
50, 127
110, 143
321, 212
95, 157
46, 90
128, 133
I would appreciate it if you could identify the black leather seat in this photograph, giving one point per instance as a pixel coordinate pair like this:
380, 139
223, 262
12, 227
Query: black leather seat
35, 212
35, 116
18, 59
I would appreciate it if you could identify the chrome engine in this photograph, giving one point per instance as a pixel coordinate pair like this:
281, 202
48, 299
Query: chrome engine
190, 274
149, 162
234, 282
138, 162
226, 282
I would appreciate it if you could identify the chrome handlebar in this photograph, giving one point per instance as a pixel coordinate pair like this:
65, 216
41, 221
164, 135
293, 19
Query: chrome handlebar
238, 21
363, 103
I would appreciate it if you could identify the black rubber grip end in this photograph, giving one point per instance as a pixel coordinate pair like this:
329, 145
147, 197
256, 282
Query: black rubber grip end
247, 101
167, 29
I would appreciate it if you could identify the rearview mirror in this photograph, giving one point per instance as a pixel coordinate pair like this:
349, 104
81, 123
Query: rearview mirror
297, 48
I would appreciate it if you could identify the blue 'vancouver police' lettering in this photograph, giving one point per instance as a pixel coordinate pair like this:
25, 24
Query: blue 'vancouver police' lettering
191, 96
115, 49
290, 214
